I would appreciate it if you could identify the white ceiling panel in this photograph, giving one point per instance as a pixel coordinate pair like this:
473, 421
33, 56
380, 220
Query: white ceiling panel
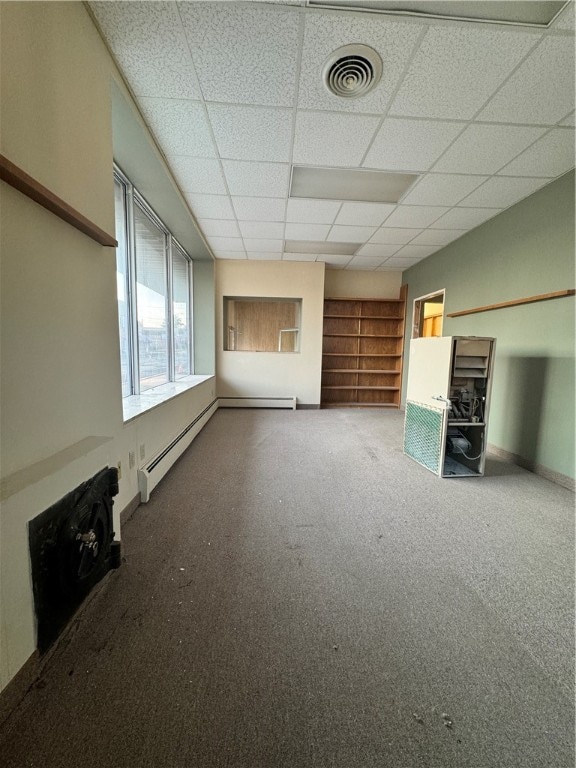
365, 262
256, 179
339, 234
219, 228
243, 54
210, 206
364, 214
399, 263
416, 251
438, 236
301, 257
226, 243
325, 32
410, 145
333, 260
229, 254
415, 216
262, 245
149, 44
442, 189
198, 174
252, 133
259, 208
381, 250
551, 156
312, 211
501, 191
486, 148
180, 127
566, 19
306, 231
257, 229
457, 68
264, 256
530, 95
328, 139
465, 218
569, 120
394, 235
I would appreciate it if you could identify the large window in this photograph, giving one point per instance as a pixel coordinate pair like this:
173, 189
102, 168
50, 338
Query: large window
154, 280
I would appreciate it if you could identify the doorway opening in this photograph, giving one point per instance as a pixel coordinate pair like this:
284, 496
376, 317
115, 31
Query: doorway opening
428, 315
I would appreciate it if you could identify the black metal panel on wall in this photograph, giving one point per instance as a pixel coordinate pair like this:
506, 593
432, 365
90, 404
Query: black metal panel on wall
70, 551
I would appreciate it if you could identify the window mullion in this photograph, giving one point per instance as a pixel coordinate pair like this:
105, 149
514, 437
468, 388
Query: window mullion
170, 309
134, 373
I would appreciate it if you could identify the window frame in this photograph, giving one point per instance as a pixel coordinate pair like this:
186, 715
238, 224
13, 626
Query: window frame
133, 199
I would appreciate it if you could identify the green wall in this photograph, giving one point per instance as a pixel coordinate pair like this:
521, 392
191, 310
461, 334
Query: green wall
526, 250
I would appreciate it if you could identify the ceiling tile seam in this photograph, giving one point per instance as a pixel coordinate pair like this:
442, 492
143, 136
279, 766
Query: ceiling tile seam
415, 48
516, 156
510, 75
207, 114
301, 31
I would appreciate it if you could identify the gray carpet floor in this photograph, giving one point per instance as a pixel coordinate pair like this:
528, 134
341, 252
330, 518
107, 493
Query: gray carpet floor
299, 594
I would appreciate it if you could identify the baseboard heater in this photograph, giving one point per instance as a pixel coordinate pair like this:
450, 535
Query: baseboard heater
150, 476
257, 402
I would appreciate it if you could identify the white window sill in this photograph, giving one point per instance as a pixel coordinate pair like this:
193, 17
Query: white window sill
135, 405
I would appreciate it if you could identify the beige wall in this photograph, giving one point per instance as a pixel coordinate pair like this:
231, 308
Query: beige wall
375, 285
269, 374
60, 369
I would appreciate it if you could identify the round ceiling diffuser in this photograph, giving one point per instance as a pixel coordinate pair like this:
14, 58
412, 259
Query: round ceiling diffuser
352, 71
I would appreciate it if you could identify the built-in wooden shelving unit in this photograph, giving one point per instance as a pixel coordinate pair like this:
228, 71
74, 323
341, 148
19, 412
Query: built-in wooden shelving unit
363, 343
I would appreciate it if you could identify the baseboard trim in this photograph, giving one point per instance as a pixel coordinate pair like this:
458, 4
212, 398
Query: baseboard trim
129, 509
532, 466
257, 402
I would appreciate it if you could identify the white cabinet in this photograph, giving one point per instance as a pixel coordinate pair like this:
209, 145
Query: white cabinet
447, 403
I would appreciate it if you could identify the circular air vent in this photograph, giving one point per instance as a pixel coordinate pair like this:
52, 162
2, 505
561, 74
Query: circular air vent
352, 71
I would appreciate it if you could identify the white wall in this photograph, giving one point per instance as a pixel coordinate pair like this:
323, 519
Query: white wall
273, 374
60, 364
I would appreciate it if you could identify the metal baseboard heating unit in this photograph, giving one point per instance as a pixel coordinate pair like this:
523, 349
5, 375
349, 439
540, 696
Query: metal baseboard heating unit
258, 402
150, 475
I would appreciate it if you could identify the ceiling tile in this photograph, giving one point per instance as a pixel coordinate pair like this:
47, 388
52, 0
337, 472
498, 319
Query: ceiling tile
416, 251
394, 235
312, 211
269, 229
383, 250
180, 127
552, 155
438, 236
210, 206
566, 19
252, 133
226, 243
259, 208
542, 88
399, 263
150, 47
325, 32
339, 234
465, 218
306, 231
415, 216
442, 189
195, 174
219, 228
365, 262
262, 245
410, 145
243, 53
457, 69
569, 120
300, 257
486, 148
501, 191
229, 254
333, 259
257, 179
364, 214
264, 256
325, 138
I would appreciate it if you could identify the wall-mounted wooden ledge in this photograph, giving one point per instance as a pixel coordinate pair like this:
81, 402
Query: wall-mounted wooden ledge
514, 302
20, 180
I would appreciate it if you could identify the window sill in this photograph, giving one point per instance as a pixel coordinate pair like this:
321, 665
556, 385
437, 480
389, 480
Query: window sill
135, 405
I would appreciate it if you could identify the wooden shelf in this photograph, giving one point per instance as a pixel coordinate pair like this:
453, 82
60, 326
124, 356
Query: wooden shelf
362, 331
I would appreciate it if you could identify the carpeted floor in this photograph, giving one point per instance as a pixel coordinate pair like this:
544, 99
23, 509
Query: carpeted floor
299, 594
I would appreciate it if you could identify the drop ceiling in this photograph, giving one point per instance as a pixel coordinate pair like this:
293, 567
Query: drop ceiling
482, 115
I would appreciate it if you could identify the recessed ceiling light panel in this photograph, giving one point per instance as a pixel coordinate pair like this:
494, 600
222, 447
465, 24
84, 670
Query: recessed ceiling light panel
352, 71
349, 184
